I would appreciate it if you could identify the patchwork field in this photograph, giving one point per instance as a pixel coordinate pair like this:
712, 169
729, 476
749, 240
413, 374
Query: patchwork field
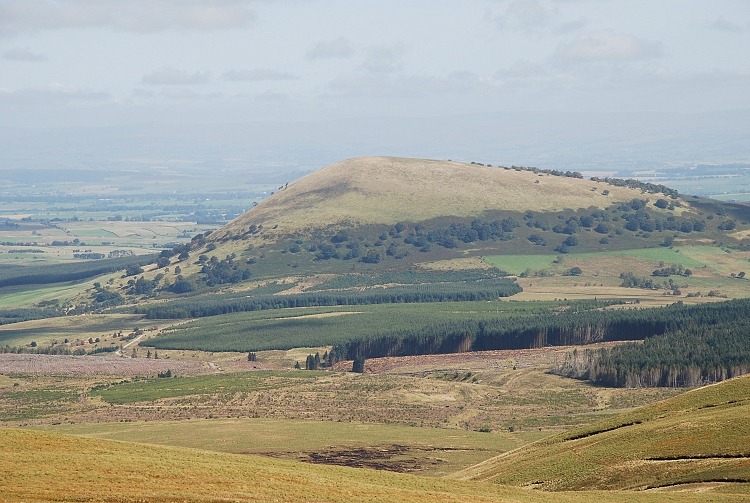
713, 268
77, 329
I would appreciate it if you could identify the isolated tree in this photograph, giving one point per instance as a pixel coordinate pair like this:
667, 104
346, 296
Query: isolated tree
570, 241
310, 363
182, 285
372, 257
133, 269
359, 364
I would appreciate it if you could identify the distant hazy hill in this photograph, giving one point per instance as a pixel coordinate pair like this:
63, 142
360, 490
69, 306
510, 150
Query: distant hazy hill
386, 190
375, 214
699, 438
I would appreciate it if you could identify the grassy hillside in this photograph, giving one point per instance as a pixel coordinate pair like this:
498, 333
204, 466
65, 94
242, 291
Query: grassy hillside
698, 438
42, 467
375, 214
393, 447
386, 190
378, 215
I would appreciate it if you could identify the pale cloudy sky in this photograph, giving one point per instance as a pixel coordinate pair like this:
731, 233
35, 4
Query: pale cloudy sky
88, 63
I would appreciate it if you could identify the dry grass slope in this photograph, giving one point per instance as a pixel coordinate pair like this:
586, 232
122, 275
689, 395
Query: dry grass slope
386, 190
42, 467
699, 438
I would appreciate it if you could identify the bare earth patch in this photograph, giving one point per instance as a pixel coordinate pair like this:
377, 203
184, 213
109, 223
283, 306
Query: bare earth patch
95, 365
392, 458
476, 361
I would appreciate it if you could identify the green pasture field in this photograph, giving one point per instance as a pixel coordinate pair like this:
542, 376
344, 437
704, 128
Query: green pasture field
516, 264
98, 236
22, 295
95, 233
148, 390
712, 269
440, 451
312, 327
32, 403
73, 328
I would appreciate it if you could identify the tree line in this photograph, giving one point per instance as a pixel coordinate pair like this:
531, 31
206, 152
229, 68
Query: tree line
199, 307
58, 273
690, 356
585, 324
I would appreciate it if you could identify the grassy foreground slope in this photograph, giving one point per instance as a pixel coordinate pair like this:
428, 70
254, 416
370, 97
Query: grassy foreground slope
699, 437
38, 467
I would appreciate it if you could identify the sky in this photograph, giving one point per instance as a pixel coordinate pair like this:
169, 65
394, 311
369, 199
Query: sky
381, 75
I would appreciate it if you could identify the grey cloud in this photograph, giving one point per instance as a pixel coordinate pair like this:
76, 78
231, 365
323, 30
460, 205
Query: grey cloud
172, 77
383, 59
722, 24
375, 85
272, 97
143, 93
526, 15
572, 26
331, 49
181, 94
607, 46
20, 16
257, 75
23, 54
523, 70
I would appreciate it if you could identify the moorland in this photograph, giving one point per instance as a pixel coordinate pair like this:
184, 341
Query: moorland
425, 329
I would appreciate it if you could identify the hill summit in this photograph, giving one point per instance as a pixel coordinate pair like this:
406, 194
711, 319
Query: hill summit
386, 190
